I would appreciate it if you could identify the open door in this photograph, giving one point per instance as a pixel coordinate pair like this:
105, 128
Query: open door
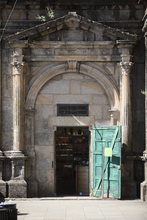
72, 160
107, 162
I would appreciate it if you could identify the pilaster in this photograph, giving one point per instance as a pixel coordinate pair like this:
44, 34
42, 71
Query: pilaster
31, 160
144, 183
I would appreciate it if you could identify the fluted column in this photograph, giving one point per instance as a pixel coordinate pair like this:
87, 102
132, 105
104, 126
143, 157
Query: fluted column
17, 73
126, 102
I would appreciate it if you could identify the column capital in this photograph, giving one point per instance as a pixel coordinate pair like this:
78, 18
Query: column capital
126, 67
17, 61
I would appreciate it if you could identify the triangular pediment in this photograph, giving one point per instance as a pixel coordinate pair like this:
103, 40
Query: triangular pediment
71, 27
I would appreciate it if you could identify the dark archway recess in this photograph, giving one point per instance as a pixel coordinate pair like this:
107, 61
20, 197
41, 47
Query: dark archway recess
72, 160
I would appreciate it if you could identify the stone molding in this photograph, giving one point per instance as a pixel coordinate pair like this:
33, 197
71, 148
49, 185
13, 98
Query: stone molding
66, 21
49, 71
126, 67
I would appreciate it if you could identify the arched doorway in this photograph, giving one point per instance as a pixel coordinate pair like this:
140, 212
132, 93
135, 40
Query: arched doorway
72, 88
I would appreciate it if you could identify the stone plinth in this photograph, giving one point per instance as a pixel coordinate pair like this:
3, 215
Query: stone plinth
2, 183
17, 186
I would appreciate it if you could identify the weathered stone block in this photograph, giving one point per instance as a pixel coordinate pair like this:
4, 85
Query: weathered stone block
41, 126
76, 76
42, 139
56, 87
44, 99
17, 189
45, 169
71, 121
44, 111
96, 110
99, 99
75, 87
105, 111
91, 88
73, 99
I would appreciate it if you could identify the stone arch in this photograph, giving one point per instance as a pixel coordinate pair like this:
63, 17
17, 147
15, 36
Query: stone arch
43, 75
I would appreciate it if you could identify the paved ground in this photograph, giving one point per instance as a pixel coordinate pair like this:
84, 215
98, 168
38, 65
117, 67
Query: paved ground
77, 209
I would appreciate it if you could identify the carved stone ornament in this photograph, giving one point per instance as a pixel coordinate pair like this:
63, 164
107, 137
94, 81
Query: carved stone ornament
72, 66
17, 61
144, 157
126, 67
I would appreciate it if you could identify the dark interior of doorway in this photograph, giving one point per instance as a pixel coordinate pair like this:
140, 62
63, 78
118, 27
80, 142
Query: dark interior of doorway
72, 161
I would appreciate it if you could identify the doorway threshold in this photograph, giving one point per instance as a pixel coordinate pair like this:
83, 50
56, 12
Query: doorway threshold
70, 198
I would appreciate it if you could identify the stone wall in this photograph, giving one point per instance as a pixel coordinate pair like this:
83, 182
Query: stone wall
125, 15
68, 88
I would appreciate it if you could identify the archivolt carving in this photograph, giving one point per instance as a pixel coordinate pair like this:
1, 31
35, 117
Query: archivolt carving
50, 71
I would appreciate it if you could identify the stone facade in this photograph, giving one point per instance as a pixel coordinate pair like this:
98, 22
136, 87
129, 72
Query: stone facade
94, 57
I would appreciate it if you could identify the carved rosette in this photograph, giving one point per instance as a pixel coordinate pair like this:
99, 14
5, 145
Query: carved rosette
126, 67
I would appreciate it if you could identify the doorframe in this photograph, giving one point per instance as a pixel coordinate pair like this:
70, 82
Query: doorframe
90, 170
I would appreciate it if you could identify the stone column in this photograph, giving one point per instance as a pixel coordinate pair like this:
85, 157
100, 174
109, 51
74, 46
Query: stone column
144, 184
128, 183
17, 73
126, 103
17, 184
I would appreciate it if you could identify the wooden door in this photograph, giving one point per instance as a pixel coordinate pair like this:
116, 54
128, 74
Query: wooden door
107, 162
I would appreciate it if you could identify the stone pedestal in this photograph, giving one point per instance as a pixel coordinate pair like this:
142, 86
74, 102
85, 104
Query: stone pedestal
2, 183
17, 186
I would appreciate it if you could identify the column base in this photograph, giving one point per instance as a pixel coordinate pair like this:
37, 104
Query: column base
143, 189
14, 154
17, 189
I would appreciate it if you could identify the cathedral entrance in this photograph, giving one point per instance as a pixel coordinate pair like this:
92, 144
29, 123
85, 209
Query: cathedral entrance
72, 160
